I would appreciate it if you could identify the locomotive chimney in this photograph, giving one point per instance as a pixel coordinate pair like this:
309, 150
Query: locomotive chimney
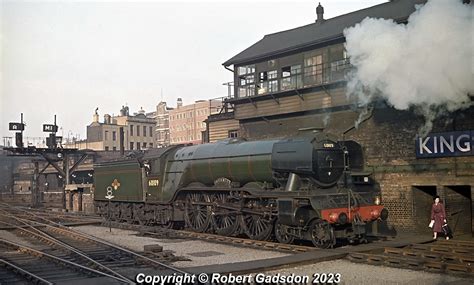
320, 14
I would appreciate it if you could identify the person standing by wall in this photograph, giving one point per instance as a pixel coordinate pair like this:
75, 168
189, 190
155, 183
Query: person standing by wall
438, 217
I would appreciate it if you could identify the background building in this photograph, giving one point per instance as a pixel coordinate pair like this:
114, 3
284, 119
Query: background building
130, 132
162, 131
187, 123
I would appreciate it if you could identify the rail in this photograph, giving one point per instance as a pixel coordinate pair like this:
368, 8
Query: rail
43, 236
29, 275
57, 227
55, 259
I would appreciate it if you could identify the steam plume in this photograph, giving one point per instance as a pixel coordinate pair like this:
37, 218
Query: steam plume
427, 64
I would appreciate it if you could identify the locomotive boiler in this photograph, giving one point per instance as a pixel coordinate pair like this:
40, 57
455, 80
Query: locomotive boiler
307, 188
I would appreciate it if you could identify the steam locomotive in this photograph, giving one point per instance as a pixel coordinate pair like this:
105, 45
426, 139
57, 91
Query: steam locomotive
307, 188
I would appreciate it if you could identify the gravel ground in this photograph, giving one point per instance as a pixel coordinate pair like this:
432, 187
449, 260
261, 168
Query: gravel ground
215, 253
199, 252
14, 238
354, 273
206, 253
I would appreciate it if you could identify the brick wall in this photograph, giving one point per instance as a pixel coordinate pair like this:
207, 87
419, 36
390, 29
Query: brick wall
388, 139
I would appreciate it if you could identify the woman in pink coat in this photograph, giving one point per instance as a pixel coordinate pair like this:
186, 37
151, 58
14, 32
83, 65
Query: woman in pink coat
438, 215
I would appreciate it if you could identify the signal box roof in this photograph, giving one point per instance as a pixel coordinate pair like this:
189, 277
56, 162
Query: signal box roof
318, 33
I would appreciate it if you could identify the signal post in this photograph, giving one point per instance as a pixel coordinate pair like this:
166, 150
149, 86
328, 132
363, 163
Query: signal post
55, 156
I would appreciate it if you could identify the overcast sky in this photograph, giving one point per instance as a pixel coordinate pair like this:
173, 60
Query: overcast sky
69, 57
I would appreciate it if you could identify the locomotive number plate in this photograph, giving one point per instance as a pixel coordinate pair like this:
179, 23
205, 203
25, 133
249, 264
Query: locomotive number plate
153, 182
328, 145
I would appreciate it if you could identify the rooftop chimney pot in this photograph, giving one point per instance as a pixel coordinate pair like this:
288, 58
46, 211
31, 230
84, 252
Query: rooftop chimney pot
320, 13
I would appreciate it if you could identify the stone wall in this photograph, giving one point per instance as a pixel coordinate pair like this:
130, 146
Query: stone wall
82, 200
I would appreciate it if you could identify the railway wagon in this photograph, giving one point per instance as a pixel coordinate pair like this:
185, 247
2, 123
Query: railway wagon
307, 188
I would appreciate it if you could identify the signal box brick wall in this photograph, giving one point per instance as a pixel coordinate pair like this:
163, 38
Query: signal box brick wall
388, 138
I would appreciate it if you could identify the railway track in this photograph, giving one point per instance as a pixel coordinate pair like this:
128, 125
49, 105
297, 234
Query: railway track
267, 245
158, 232
31, 265
451, 257
67, 254
37, 215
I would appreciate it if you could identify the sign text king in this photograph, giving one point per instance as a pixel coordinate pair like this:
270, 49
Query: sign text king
445, 144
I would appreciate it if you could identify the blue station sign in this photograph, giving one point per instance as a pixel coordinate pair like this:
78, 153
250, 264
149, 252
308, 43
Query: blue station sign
445, 144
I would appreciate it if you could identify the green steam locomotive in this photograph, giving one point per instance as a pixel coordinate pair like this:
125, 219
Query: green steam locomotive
307, 188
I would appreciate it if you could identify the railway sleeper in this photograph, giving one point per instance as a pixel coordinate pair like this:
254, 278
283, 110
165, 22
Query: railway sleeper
457, 268
412, 263
448, 257
442, 248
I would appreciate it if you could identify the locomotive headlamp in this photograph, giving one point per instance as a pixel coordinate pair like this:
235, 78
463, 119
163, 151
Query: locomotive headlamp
333, 217
377, 200
384, 214
374, 214
342, 218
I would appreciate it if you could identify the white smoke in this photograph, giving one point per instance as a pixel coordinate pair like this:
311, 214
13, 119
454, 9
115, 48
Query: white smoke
427, 64
326, 119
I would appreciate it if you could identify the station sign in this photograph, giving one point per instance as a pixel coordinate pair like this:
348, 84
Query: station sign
16, 127
50, 128
445, 144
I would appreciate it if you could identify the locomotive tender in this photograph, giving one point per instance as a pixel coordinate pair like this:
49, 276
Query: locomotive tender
308, 188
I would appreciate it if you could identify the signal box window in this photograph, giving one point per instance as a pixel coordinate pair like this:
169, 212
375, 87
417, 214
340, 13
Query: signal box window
291, 77
233, 134
339, 63
313, 70
268, 82
246, 80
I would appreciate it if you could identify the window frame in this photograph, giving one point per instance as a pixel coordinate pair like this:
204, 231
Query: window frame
246, 81
231, 132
